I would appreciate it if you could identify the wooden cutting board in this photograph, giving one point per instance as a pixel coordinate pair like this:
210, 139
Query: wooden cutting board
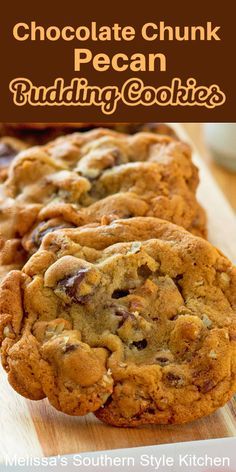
36, 429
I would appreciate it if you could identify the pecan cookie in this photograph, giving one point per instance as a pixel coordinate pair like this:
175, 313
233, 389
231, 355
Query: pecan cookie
135, 321
84, 177
41, 133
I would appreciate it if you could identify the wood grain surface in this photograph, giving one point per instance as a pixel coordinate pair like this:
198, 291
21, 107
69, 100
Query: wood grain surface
35, 428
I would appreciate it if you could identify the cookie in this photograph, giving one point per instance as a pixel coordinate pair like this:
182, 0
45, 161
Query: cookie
41, 133
135, 321
85, 177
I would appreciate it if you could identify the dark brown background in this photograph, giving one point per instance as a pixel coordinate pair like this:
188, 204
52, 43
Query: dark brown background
41, 62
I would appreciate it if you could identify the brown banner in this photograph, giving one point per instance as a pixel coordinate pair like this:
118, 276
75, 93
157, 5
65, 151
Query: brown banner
126, 61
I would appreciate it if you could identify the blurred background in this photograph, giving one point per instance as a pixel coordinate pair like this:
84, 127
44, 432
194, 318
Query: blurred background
216, 143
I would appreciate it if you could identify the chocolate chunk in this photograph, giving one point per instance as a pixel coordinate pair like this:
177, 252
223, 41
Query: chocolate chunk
120, 293
71, 285
174, 379
144, 271
38, 234
140, 345
7, 153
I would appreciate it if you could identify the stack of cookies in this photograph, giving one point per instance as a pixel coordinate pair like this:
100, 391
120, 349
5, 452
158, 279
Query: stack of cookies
112, 300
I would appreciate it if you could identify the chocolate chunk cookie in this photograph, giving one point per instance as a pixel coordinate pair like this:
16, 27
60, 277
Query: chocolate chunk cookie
85, 177
41, 133
135, 321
